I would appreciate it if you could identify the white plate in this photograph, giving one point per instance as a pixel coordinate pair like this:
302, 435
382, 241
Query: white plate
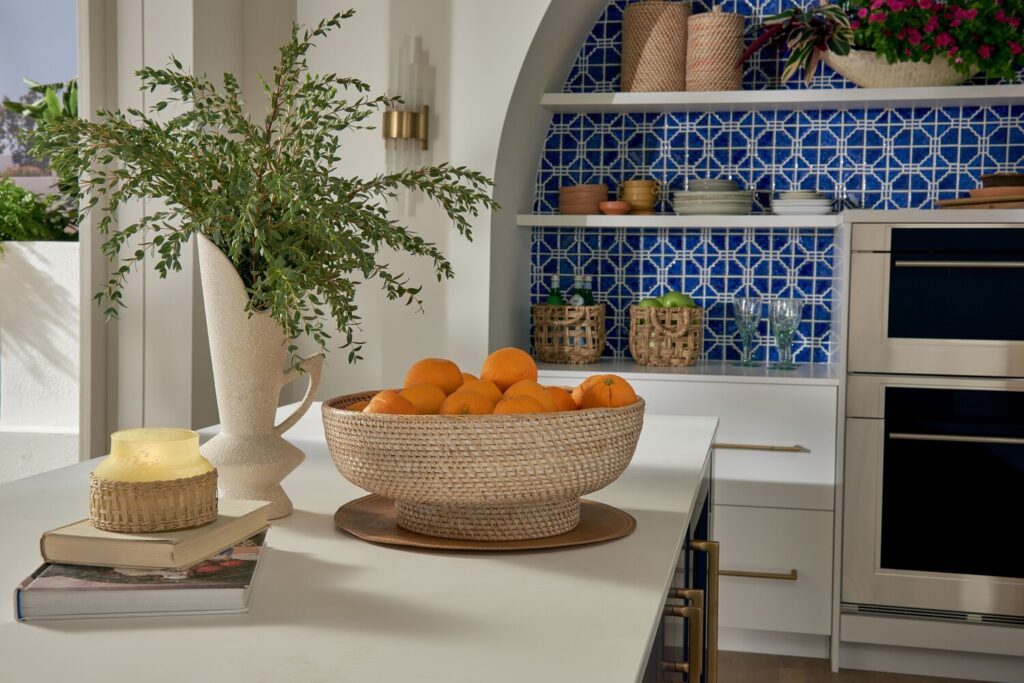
712, 184
822, 211
711, 194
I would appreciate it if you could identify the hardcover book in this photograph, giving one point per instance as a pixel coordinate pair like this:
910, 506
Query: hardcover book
82, 543
218, 585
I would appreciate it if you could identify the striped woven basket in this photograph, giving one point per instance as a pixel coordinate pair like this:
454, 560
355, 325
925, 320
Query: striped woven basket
654, 46
483, 477
713, 51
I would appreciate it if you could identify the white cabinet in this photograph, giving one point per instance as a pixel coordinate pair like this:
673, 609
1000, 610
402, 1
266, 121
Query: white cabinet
774, 489
774, 545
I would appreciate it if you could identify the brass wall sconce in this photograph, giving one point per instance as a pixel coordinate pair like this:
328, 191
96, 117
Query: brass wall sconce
407, 125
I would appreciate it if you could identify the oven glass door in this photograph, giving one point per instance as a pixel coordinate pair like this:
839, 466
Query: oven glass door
953, 481
956, 284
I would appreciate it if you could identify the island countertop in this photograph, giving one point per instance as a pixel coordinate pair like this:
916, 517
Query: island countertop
328, 607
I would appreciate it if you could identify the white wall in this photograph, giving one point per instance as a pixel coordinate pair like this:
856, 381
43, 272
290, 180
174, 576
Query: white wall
475, 49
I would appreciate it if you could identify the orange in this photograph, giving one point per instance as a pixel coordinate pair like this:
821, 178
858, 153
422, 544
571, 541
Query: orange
390, 402
426, 397
577, 393
563, 399
468, 377
357, 406
518, 404
527, 387
467, 403
484, 387
507, 366
611, 391
437, 371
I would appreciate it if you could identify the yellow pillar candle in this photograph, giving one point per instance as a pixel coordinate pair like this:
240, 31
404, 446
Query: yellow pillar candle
153, 454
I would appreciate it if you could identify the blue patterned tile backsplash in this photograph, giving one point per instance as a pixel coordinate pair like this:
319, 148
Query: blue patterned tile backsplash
714, 265
875, 158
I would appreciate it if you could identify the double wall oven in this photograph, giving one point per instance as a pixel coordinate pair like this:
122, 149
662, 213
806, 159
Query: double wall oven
934, 486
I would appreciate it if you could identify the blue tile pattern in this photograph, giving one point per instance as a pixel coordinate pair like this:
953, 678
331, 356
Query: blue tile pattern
599, 64
878, 158
714, 265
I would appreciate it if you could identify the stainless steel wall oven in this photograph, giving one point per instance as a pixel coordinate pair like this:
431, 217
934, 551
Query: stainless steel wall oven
934, 486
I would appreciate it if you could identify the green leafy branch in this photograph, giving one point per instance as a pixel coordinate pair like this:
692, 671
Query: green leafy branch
266, 193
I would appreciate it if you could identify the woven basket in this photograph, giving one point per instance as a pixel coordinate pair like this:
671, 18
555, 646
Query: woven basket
483, 477
666, 336
713, 51
140, 507
654, 46
868, 70
569, 334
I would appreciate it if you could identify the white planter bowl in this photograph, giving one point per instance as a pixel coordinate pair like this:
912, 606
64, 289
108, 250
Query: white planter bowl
870, 70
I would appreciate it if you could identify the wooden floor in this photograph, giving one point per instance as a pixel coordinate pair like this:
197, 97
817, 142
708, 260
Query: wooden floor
743, 667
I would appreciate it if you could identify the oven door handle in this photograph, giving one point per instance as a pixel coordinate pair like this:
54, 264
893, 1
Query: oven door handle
954, 438
958, 264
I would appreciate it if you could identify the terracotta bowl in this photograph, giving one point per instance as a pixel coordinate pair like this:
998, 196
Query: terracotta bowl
615, 208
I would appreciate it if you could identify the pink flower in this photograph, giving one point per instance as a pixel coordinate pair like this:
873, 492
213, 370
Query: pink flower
855, 24
862, 12
877, 18
1015, 48
877, 3
952, 52
985, 51
896, 5
943, 40
925, 4
914, 38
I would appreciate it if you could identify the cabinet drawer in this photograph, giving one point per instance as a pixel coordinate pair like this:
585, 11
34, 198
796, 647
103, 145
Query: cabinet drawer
752, 415
775, 542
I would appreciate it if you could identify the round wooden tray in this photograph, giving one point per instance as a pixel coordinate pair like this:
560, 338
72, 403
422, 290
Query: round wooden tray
372, 518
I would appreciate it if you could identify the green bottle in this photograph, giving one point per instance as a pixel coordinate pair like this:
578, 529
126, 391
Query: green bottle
588, 290
555, 293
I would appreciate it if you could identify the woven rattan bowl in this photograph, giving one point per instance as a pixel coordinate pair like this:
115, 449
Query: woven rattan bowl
483, 477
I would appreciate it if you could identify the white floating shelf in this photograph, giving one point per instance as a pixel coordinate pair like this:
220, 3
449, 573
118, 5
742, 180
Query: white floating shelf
540, 220
755, 100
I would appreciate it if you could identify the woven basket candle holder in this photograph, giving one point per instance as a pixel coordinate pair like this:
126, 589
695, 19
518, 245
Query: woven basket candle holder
147, 506
654, 46
155, 479
483, 477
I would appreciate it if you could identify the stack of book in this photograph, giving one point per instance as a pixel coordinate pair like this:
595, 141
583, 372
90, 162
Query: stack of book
89, 573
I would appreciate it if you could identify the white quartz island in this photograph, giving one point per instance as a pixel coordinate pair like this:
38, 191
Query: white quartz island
328, 607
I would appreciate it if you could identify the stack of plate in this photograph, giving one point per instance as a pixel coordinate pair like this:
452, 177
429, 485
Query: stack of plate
712, 196
801, 203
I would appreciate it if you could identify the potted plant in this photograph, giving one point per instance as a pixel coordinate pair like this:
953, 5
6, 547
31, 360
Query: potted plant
283, 240
902, 43
43, 102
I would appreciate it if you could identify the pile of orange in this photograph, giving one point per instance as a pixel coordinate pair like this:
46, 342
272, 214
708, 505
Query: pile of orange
507, 385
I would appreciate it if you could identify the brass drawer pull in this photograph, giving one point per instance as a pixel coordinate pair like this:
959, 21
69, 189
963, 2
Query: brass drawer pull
695, 629
791, 575
712, 548
795, 448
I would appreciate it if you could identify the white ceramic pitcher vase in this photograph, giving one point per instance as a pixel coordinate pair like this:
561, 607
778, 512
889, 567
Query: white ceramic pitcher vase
249, 354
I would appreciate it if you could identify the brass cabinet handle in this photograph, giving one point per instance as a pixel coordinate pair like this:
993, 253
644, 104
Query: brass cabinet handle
695, 629
712, 548
795, 448
791, 575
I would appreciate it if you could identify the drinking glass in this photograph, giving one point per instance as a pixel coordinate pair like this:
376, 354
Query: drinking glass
784, 316
746, 311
